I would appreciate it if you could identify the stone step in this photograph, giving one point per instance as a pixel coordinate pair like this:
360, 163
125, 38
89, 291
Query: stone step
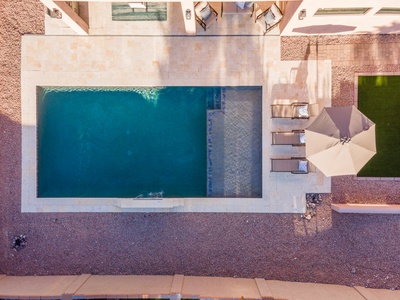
150, 203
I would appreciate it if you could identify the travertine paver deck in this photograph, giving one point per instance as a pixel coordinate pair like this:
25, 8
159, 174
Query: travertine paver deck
101, 23
169, 61
156, 54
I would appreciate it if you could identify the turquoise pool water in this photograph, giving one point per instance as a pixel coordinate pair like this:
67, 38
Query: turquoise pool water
117, 142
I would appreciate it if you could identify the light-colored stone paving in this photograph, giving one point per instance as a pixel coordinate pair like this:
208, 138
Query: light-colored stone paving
104, 60
101, 23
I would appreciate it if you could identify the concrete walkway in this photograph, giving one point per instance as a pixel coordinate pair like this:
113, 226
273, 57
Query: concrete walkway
176, 287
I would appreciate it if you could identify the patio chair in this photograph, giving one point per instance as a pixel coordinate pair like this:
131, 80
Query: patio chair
294, 165
294, 138
296, 110
242, 8
269, 18
205, 14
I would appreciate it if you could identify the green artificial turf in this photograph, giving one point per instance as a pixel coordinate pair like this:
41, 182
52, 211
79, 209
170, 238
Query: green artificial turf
156, 11
379, 100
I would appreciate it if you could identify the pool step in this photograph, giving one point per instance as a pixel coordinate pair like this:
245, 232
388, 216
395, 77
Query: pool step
237, 145
214, 116
215, 99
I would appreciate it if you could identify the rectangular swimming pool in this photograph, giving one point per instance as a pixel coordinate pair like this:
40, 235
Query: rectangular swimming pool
122, 142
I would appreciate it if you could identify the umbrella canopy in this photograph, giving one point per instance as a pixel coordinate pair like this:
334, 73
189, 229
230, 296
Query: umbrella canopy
340, 141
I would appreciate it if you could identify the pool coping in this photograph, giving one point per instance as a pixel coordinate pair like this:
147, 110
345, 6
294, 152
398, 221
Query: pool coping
106, 61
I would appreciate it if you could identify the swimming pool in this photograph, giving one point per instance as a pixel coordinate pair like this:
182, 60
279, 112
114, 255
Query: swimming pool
122, 142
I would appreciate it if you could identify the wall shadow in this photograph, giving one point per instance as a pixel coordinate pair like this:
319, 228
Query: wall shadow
324, 29
296, 88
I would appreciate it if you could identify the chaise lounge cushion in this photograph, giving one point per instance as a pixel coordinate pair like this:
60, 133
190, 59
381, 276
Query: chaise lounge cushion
303, 111
241, 4
269, 17
303, 166
302, 138
203, 10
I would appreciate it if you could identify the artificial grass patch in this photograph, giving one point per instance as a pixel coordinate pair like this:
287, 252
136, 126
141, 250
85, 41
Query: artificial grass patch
156, 11
379, 100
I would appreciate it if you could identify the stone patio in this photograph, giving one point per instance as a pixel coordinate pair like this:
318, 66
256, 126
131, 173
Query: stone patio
117, 54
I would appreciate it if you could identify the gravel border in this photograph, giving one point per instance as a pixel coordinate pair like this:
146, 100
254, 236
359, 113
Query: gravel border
347, 189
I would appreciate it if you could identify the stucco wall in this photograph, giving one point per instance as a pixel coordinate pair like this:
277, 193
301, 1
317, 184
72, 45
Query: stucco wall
370, 22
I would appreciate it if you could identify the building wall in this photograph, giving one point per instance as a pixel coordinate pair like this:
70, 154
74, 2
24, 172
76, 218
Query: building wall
370, 22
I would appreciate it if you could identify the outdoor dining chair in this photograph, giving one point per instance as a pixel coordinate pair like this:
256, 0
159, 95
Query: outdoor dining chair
205, 14
269, 18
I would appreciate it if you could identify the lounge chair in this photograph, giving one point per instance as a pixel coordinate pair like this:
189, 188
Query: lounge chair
295, 165
242, 8
269, 18
205, 14
296, 110
294, 138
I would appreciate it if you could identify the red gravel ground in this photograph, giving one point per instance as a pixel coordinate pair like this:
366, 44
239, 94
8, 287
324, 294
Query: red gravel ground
331, 248
347, 189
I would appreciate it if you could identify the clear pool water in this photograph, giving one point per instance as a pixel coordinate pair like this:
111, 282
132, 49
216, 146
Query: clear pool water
117, 142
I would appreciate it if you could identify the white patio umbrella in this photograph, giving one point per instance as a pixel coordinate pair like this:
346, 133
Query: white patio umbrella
340, 141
